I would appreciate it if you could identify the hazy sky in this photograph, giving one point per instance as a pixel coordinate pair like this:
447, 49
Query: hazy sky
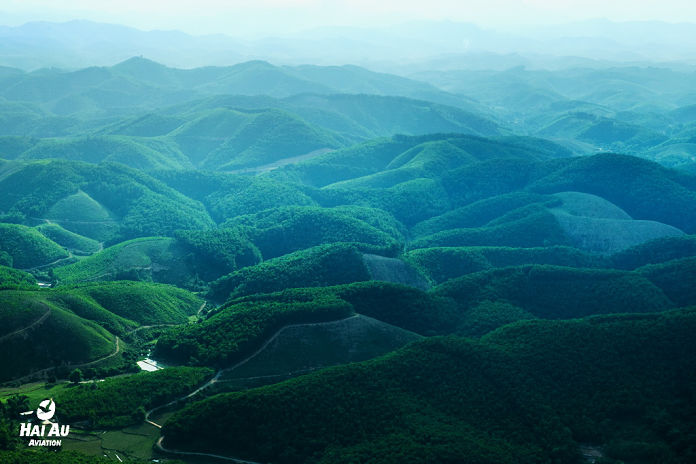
261, 17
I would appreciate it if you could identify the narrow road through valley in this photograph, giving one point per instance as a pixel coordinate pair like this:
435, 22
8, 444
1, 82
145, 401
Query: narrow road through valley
216, 379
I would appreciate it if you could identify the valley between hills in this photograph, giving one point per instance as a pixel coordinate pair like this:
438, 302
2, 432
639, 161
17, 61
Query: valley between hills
327, 264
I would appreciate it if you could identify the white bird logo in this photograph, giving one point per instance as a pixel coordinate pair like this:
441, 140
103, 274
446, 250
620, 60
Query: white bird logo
46, 410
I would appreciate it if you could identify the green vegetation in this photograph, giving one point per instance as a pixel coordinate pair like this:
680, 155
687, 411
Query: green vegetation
143, 205
152, 258
83, 215
144, 303
675, 278
479, 213
27, 247
13, 279
444, 263
35, 330
553, 292
643, 189
241, 326
70, 240
300, 349
76, 377
36, 324
319, 266
607, 236
394, 270
473, 304
512, 397
656, 251
87, 308
135, 152
79, 207
268, 137
537, 229
122, 401
320, 205
244, 195
401, 306
50, 457
33, 392
219, 251
283, 230
409, 202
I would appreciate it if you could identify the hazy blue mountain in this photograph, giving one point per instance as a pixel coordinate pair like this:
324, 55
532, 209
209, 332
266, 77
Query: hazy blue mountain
44, 44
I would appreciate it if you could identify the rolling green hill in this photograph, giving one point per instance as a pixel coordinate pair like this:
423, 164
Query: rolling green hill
70, 240
135, 152
79, 196
147, 125
429, 155
479, 213
473, 304
38, 322
14, 279
536, 229
241, 326
299, 349
674, 278
284, 230
525, 393
268, 137
35, 330
641, 188
603, 132
227, 196
318, 266
216, 252
596, 225
138, 83
118, 402
27, 247
79, 207
144, 303
158, 259
192, 257
444, 263
339, 214
554, 292
655, 251
228, 139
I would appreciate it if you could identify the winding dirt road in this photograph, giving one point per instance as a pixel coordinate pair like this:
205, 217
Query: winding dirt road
42, 372
33, 324
161, 447
216, 379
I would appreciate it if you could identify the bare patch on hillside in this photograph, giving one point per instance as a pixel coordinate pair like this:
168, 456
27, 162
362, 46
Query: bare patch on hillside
303, 348
394, 270
588, 205
607, 236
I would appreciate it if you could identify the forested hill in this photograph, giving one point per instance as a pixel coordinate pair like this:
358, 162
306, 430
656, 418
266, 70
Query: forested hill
529, 392
141, 83
340, 265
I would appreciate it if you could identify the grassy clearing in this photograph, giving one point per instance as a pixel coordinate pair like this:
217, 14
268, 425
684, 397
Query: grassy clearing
36, 391
133, 442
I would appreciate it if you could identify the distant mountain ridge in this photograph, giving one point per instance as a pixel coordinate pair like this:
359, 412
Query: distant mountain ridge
48, 44
141, 82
